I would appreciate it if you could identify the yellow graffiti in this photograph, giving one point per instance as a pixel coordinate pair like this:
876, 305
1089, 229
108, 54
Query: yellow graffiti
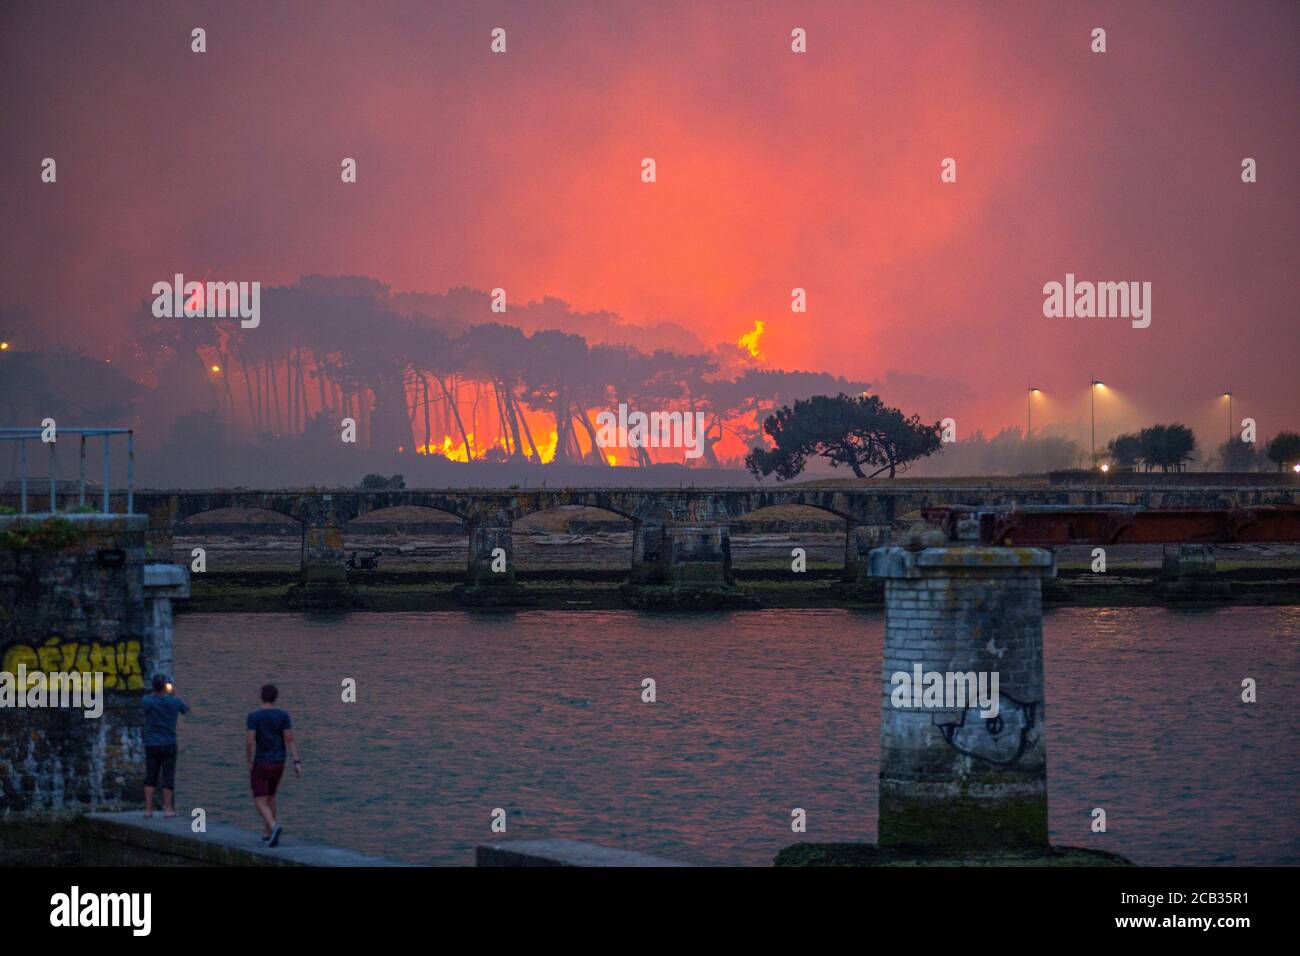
119, 663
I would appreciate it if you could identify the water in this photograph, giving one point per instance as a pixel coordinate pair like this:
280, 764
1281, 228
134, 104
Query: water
758, 712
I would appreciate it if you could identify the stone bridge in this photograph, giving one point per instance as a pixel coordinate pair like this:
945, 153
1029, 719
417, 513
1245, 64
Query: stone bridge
681, 536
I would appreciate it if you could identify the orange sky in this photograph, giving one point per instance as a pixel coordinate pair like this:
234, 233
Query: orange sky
775, 170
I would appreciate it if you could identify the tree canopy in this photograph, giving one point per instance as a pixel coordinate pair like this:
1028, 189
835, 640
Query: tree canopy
1125, 451
1283, 449
846, 431
1237, 455
1167, 446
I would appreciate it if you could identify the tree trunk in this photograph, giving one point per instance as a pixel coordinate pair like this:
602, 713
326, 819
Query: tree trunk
248, 389
513, 420
503, 431
319, 372
597, 455
455, 410
523, 421
424, 388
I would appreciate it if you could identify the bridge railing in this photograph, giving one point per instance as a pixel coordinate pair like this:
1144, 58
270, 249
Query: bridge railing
1044, 526
23, 435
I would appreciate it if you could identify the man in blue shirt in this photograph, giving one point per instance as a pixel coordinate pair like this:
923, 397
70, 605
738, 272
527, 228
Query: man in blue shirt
269, 732
161, 709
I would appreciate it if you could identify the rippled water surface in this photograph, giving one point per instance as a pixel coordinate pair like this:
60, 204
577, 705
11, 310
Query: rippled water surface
758, 712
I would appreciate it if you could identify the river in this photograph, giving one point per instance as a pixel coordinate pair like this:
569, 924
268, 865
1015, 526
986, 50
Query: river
540, 713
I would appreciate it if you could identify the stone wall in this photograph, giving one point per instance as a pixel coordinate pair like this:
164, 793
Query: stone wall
73, 598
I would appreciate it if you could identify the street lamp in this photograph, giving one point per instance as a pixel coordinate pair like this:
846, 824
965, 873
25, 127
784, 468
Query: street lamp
1029, 412
1228, 396
1092, 396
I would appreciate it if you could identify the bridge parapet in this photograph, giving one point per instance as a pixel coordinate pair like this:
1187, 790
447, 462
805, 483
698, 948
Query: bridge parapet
681, 536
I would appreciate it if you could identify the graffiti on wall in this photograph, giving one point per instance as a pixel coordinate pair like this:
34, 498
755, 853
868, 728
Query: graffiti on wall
1000, 740
118, 662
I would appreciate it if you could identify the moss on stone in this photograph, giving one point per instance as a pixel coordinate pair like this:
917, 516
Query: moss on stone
869, 854
47, 534
964, 821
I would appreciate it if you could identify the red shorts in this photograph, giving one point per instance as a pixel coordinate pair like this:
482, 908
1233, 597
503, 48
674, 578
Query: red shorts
266, 777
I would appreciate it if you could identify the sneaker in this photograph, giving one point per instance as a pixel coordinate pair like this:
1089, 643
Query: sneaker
264, 837
274, 838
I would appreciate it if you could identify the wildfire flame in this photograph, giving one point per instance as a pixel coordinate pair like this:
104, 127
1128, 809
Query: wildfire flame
547, 449
749, 341
459, 451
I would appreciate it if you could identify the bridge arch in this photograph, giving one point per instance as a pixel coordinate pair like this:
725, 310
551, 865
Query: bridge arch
407, 538
247, 535
190, 505
622, 505
403, 512
544, 539
759, 550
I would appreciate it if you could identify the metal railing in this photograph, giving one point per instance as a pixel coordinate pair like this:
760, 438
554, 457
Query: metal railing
24, 435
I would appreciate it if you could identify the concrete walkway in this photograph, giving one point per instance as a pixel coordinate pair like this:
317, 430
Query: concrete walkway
561, 852
222, 844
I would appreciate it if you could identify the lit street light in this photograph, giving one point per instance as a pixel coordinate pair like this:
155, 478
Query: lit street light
1228, 396
1092, 396
1029, 416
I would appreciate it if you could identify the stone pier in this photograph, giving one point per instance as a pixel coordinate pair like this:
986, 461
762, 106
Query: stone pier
951, 778
490, 576
77, 596
683, 564
323, 579
163, 584
856, 582
1189, 574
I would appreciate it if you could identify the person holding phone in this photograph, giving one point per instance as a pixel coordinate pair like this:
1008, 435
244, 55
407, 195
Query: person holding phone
161, 708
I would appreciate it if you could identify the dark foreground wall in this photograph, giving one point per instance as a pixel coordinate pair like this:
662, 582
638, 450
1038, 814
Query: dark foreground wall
127, 839
73, 598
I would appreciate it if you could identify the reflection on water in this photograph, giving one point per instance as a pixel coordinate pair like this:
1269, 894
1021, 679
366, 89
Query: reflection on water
758, 712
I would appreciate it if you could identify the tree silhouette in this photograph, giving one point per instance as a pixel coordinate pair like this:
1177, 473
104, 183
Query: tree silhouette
846, 431
1167, 446
1125, 451
1237, 455
1283, 450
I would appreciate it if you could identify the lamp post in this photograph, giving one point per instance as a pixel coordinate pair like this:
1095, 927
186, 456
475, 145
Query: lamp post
1092, 396
1228, 396
1029, 412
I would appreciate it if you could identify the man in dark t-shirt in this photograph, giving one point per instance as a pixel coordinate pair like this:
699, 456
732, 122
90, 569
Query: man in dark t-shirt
160, 708
269, 733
